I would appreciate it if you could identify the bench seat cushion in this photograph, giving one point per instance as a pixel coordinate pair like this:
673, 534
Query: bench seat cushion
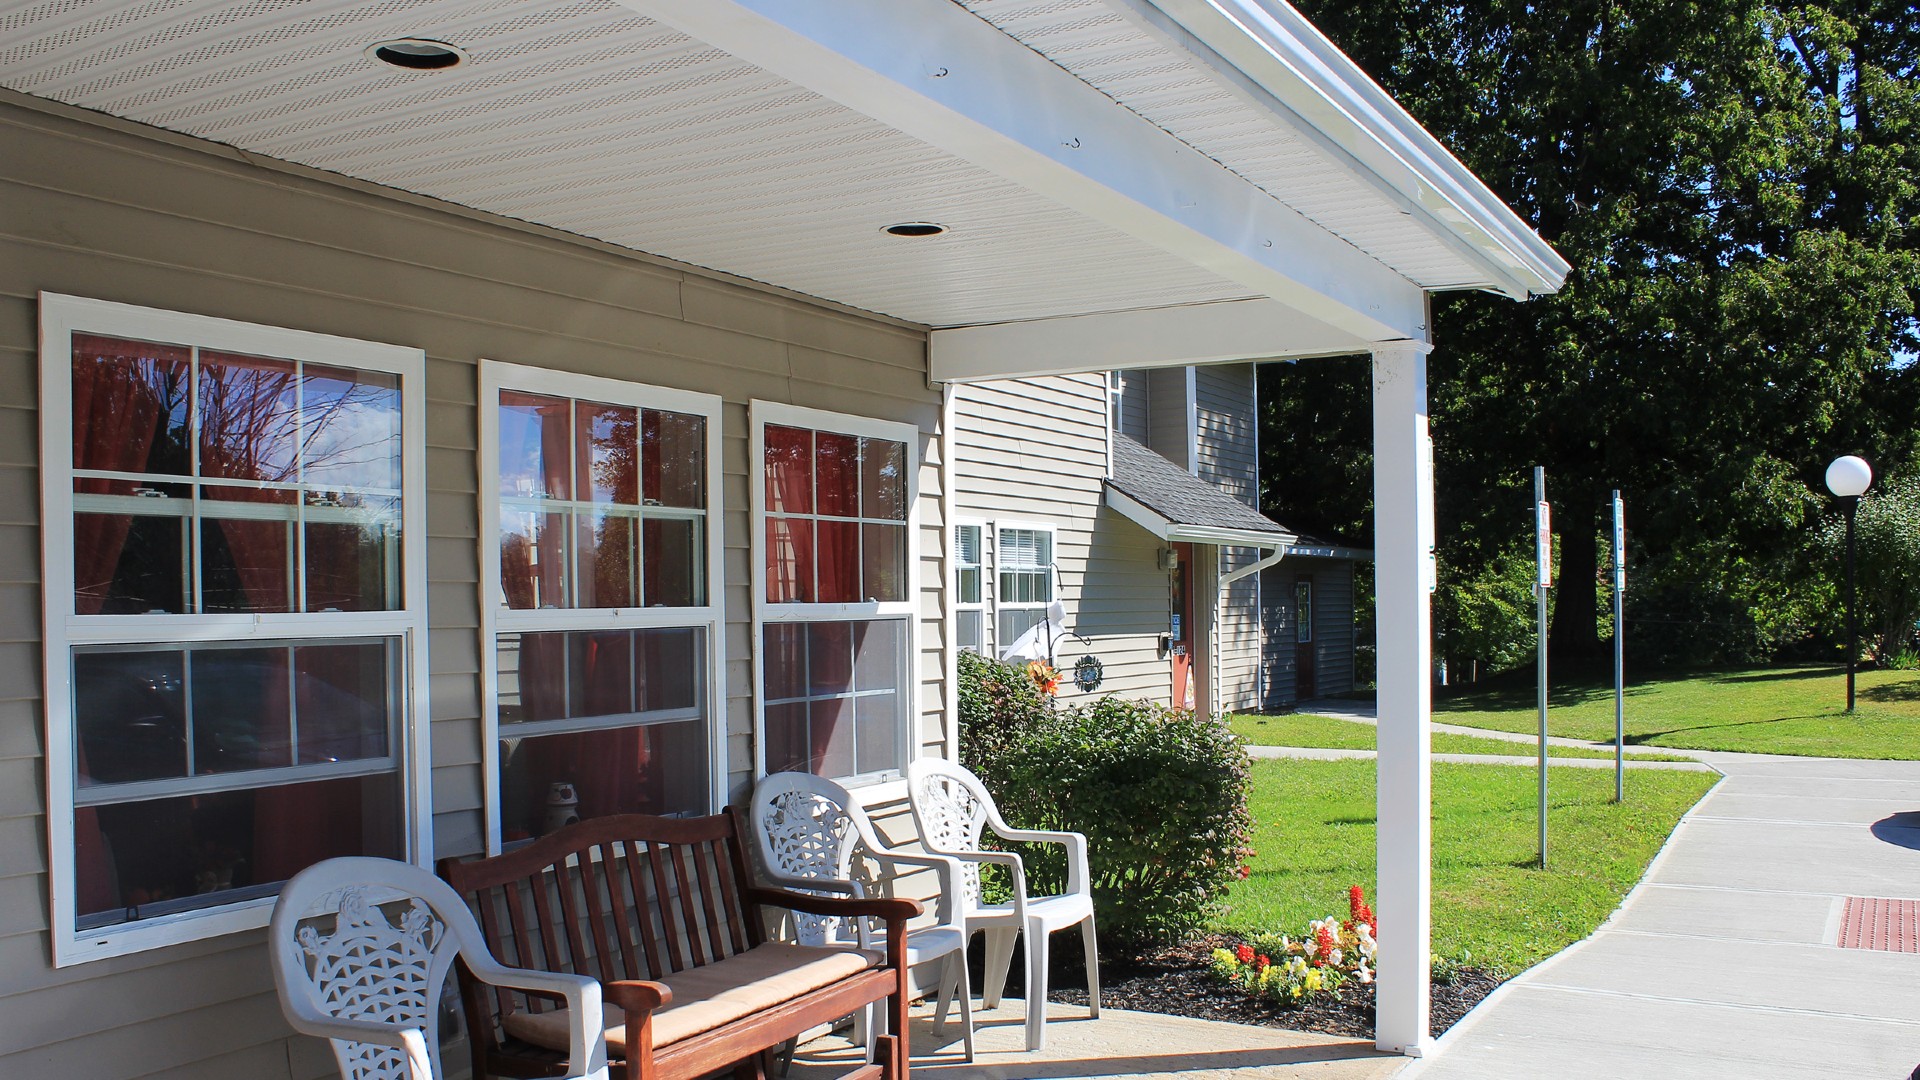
706, 997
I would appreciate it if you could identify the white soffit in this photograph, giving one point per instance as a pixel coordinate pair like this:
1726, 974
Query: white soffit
589, 118
1145, 61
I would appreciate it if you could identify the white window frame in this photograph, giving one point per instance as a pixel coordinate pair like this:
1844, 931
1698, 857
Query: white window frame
1052, 568
495, 619
61, 317
988, 582
762, 413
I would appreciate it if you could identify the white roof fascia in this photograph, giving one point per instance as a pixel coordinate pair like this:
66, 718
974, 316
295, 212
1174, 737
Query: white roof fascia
1276, 47
937, 72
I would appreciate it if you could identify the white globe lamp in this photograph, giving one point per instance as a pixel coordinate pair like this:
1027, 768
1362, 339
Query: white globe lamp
1849, 477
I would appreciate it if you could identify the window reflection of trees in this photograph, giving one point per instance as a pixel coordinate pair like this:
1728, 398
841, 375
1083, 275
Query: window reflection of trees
297, 505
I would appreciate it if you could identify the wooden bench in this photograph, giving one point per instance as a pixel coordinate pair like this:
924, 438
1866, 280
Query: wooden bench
664, 913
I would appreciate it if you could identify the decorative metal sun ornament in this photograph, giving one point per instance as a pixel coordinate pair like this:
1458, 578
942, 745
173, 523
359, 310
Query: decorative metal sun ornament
1087, 673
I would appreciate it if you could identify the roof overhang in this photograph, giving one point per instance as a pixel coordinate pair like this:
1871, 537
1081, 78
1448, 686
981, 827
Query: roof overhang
1175, 532
1274, 47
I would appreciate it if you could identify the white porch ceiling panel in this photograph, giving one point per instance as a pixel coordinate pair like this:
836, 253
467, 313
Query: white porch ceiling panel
586, 117
1110, 44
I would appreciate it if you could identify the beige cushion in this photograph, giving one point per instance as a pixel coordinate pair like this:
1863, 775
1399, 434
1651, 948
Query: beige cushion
706, 997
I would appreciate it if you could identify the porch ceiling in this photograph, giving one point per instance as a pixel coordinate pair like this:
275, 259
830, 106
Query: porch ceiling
767, 140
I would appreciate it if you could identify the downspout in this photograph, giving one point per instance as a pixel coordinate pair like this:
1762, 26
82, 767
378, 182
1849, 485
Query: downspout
1269, 559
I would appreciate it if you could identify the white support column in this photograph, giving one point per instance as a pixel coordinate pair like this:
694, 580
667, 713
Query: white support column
1403, 564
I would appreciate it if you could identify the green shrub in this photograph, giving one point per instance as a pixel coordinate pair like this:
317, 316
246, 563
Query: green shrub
1160, 793
997, 702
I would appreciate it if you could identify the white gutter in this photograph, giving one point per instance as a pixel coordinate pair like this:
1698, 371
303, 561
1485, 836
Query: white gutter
1283, 53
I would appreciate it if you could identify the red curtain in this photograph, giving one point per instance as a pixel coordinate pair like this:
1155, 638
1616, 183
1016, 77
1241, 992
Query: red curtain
126, 395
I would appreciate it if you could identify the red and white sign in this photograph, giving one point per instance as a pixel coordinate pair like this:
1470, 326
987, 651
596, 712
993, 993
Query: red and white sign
1543, 532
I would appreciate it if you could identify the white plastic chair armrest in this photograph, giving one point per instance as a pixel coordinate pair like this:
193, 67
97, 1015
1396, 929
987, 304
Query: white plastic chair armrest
1076, 845
813, 884
1009, 860
946, 869
586, 1039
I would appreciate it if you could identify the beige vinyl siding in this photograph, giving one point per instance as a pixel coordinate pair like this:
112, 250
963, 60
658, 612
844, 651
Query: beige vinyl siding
1033, 451
96, 209
1227, 450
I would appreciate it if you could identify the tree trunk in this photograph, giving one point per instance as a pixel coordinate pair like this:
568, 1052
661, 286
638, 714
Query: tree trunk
1574, 634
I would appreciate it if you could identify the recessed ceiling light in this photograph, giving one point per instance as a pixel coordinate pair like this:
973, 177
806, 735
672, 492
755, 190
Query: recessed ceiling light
418, 54
915, 228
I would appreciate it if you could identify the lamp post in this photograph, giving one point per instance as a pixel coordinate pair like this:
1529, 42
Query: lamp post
1848, 478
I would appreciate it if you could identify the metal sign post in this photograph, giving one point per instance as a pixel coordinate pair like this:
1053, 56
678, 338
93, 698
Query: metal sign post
1619, 649
1543, 541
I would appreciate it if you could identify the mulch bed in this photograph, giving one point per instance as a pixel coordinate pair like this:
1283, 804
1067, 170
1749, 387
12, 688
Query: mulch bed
1175, 980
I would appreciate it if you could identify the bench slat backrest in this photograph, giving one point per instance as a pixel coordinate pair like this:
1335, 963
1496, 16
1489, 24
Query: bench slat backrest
631, 896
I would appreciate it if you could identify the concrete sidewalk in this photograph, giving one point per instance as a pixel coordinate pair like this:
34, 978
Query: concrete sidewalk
1362, 712
1324, 753
1722, 963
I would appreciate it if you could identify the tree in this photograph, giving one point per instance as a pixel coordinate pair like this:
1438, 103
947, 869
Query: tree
1887, 553
1734, 183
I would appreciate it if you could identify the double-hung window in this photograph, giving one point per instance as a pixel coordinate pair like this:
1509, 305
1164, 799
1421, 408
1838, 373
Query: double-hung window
601, 605
234, 605
969, 569
1024, 559
834, 585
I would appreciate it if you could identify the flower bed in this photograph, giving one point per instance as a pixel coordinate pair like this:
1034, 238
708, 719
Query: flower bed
1288, 970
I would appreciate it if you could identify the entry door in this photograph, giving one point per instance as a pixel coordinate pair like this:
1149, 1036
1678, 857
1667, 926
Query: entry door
1180, 629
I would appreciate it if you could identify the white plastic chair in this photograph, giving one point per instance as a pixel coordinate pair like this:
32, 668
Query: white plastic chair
953, 809
813, 836
371, 980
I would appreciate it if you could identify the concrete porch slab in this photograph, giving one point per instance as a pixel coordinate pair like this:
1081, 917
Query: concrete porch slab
1148, 1046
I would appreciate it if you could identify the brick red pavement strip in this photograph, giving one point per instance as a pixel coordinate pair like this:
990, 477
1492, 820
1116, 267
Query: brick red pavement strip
1874, 923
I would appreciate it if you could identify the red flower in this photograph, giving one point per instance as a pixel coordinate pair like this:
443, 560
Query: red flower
1323, 945
1262, 962
1357, 906
1244, 954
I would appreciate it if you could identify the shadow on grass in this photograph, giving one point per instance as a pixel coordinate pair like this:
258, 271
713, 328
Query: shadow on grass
1795, 675
1892, 692
1367, 820
1645, 737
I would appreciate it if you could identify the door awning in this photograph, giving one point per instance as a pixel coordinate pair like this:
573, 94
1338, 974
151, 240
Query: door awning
1177, 506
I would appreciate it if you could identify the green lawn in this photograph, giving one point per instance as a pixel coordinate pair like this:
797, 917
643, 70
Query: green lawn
1787, 710
1305, 729
1315, 837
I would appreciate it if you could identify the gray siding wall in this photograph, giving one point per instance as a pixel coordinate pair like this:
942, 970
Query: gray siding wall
1134, 405
1332, 629
95, 210
1168, 433
1034, 450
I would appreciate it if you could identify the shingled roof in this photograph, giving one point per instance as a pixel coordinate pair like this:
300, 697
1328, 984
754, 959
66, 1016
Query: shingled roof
1182, 502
